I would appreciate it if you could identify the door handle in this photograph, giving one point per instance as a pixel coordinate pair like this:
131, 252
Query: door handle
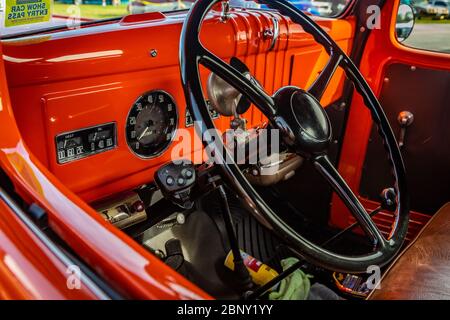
405, 119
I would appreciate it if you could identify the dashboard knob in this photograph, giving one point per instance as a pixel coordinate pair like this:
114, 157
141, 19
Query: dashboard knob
187, 173
138, 206
170, 181
181, 181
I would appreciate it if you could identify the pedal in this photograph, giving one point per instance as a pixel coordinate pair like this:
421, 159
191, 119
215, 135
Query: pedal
174, 254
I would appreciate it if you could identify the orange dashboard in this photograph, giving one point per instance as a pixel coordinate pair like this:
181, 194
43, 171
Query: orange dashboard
73, 79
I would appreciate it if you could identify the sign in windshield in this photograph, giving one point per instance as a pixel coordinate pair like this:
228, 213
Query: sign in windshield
20, 12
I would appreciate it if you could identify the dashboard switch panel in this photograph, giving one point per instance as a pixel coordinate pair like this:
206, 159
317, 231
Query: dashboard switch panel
176, 180
85, 142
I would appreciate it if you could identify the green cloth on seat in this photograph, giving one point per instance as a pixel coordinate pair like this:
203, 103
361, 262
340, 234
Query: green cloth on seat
295, 286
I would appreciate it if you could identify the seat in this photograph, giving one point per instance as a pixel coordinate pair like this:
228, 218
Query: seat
422, 270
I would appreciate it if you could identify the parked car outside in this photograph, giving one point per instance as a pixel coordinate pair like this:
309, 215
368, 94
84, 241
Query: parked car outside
437, 9
318, 8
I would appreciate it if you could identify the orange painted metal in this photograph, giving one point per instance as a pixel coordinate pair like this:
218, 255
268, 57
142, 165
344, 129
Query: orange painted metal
382, 49
73, 79
27, 269
127, 267
96, 81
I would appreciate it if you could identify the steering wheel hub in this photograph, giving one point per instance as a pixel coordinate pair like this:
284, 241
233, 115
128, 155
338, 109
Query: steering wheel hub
307, 120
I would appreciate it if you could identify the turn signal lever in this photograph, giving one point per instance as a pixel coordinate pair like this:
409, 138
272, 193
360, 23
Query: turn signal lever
176, 180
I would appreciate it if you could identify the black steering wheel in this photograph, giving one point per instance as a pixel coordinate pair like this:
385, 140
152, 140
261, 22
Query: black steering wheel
305, 129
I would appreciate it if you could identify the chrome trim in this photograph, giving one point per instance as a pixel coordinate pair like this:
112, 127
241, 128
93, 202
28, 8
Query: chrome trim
276, 32
50, 245
288, 157
225, 13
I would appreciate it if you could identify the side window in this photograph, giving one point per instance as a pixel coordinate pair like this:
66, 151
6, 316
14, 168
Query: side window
424, 24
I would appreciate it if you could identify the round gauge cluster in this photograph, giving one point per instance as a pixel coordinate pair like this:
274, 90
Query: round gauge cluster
151, 124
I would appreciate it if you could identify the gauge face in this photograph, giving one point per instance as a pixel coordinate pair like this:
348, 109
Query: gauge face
151, 124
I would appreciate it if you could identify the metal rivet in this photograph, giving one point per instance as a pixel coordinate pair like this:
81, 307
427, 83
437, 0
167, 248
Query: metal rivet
386, 80
362, 29
413, 68
153, 53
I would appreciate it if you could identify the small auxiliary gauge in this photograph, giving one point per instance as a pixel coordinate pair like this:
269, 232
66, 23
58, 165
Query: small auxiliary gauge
85, 142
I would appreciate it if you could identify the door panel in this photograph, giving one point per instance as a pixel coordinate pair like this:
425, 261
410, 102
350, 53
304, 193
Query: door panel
384, 57
425, 93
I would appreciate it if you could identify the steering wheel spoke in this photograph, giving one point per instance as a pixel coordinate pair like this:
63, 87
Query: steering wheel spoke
319, 86
253, 92
329, 172
306, 129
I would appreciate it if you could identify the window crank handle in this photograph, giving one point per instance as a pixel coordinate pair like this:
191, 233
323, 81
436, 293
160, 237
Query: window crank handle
405, 119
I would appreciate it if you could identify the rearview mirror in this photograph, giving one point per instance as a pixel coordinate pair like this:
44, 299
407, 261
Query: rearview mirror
405, 22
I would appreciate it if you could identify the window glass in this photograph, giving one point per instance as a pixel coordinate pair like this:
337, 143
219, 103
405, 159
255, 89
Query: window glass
424, 24
325, 8
19, 16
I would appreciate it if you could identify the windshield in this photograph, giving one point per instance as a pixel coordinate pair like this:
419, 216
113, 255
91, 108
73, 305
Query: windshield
23, 16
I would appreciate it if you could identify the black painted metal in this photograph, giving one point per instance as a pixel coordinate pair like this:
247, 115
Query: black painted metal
192, 53
307, 121
350, 199
317, 89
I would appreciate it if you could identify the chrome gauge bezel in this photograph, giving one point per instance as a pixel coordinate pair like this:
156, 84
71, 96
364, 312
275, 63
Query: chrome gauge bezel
174, 130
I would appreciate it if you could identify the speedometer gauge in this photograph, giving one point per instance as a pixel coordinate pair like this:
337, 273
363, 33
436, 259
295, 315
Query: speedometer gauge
151, 124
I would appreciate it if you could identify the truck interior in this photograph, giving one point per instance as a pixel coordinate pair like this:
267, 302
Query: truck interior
123, 139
